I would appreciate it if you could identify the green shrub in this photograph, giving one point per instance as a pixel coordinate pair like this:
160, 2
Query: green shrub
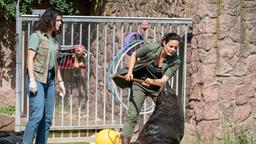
8, 110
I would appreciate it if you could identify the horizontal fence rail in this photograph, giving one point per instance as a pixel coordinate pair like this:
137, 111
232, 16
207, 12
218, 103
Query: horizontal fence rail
88, 105
101, 19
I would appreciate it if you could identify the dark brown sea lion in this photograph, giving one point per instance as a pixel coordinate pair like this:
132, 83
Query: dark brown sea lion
166, 124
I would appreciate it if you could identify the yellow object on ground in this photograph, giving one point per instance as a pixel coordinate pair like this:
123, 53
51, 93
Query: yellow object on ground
108, 136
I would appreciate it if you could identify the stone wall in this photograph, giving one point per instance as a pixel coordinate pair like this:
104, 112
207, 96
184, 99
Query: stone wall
7, 72
7, 63
222, 89
145, 8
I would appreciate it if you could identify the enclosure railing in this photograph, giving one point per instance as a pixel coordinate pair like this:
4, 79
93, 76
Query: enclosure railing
88, 104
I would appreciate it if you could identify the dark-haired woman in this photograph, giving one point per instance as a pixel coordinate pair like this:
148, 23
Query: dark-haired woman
42, 72
157, 63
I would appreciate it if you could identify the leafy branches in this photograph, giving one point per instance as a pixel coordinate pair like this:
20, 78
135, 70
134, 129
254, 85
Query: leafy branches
65, 6
8, 7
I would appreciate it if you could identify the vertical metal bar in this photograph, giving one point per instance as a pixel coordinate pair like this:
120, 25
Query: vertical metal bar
62, 98
121, 65
147, 32
113, 48
185, 70
138, 27
71, 113
146, 100
72, 34
18, 68
162, 30
172, 81
27, 97
177, 72
170, 28
97, 72
105, 67
80, 33
23, 55
121, 92
130, 27
23, 65
71, 95
88, 75
71, 91
63, 33
23, 96
62, 114
70, 109
79, 107
154, 33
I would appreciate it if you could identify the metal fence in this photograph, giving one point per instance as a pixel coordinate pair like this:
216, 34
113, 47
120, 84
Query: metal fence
88, 105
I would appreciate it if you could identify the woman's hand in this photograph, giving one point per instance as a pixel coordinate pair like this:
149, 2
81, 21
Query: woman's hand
156, 82
62, 89
148, 82
129, 76
32, 85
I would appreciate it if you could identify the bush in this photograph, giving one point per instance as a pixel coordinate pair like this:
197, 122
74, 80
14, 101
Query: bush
8, 110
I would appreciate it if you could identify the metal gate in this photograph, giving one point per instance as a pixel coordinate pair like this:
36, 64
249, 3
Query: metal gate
88, 105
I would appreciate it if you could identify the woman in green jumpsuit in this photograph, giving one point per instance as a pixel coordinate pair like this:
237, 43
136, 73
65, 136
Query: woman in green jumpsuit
156, 64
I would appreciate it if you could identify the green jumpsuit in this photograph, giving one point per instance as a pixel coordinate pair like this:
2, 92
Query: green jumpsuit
144, 68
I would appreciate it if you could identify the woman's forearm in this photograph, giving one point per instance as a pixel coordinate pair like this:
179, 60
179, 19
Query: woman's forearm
30, 63
157, 82
59, 77
132, 62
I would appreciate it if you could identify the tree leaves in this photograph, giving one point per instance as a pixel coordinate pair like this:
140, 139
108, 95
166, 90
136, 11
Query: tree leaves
8, 7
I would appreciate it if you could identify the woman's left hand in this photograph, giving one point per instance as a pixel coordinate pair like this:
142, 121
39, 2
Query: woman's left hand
148, 82
62, 88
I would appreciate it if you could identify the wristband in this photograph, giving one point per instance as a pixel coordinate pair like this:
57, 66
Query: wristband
31, 79
61, 81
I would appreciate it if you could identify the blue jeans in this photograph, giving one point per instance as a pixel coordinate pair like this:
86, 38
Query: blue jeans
41, 111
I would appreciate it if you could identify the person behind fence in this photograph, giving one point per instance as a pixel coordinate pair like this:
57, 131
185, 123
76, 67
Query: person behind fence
40, 80
156, 64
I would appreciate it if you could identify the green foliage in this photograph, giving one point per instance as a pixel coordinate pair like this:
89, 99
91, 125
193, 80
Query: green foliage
65, 6
240, 138
8, 7
9, 110
243, 138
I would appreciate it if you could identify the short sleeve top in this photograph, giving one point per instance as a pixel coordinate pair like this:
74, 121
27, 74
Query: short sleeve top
33, 43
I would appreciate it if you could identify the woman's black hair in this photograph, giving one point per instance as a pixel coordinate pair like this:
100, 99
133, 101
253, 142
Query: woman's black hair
48, 19
170, 36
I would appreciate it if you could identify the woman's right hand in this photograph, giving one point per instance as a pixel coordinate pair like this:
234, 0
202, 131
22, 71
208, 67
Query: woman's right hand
32, 85
129, 76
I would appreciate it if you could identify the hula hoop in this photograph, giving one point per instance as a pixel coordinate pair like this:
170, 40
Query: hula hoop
114, 94
149, 109
120, 56
128, 39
